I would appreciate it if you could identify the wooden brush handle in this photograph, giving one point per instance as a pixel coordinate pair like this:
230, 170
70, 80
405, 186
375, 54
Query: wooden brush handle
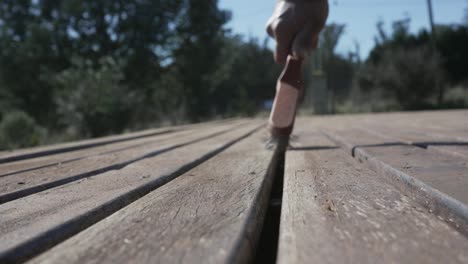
288, 90
292, 73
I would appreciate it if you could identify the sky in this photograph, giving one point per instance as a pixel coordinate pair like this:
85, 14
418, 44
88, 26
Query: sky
360, 16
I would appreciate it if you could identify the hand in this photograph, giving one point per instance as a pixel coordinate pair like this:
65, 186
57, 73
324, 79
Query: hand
296, 25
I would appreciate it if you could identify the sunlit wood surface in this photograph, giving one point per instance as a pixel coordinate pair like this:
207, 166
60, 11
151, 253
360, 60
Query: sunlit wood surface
369, 188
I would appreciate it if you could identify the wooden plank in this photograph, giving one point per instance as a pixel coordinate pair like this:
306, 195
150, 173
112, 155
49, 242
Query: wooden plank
211, 214
16, 167
35, 223
445, 121
9, 156
336, 210
440, 180
421, 138
460, 134
20, 166
449, 124
29, 153
416, 128
32, 181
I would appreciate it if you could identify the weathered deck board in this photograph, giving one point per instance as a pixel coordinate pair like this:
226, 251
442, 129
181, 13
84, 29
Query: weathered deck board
440, 181
34, 223
448, 123
442, 172
420, 138
16, 167
31, 181
9, 156
444, 131
442, 124
336, 210
210, 214
358, 188
451, 124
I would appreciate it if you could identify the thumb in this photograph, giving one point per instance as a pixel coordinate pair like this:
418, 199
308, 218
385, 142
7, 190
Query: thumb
305, 42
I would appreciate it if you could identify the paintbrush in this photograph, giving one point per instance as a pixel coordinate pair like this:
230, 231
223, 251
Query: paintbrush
288, 91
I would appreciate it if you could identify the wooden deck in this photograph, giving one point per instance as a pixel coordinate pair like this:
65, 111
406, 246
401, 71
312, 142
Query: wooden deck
373, 188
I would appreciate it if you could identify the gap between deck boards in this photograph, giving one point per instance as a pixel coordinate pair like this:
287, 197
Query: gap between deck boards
267, 246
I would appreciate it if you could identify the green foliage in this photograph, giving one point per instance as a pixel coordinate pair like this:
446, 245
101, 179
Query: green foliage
400, 38
199, 39
452, 43
404, 71
90, 68
18, 130
410, 69
457, 97
329, 39
39, 38
408, 75
336, 69
245, 78
92, 100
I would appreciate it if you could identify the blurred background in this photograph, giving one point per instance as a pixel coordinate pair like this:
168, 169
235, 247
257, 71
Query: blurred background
73, 69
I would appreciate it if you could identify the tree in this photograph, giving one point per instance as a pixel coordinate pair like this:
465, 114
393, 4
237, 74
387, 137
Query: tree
17, 129
451, 44
93, 101
98, 67
245, 78
329, 39
403, 67
26, 50
339, 71
466, 17
407, 75
199, 41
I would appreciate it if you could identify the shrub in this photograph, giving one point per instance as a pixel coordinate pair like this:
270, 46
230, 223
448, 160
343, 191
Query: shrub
457, 97
18, 130
409, 76
92, 99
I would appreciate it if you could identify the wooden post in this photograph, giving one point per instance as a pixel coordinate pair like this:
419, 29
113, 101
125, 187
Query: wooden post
431, 18
439, 85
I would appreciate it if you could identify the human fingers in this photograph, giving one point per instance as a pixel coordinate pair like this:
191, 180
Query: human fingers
305, 42
283, 32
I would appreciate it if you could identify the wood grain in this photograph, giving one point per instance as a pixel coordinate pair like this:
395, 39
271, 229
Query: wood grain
336, 210
420, 138
16, 167
28, 153
448, 124
441, 180
443, 172
211, 214
25, 183
198, 194
33, 224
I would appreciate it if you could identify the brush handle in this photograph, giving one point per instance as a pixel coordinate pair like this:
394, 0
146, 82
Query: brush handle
288, 90
292, 73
